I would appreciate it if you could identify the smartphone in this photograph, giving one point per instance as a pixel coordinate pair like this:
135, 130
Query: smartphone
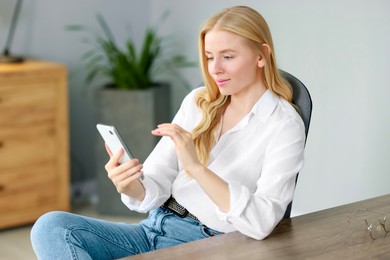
114, 141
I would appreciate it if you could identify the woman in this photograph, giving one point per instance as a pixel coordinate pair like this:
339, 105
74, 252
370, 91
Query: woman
229, 158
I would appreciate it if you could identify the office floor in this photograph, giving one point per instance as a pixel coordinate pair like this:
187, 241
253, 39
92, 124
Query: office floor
15, 243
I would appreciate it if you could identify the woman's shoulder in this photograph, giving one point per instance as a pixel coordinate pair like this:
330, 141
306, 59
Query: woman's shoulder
195, 91
189, 113
188, 104
190, 98
287, 114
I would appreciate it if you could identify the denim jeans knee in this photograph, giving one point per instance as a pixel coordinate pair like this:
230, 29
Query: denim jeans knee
48, 231
61, 235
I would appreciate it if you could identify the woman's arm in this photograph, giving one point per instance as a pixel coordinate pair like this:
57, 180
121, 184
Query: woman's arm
215, 187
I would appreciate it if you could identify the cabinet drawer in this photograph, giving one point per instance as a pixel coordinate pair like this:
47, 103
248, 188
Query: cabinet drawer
26, 146
28, 186
34, 147
27, 103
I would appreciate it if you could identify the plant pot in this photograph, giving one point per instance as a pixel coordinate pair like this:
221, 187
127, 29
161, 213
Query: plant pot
134, 113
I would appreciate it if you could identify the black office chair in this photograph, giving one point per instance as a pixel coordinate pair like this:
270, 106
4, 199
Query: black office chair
302, 99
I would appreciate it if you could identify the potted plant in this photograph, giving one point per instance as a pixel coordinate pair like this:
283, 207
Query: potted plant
131, 99
126, 67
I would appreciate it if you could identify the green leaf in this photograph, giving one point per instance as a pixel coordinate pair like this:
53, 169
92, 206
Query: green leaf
75, 27
106, 29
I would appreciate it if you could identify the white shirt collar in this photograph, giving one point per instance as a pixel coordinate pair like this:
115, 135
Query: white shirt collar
262, 110
265, 106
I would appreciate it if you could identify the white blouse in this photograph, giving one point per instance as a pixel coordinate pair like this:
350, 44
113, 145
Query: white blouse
259, 158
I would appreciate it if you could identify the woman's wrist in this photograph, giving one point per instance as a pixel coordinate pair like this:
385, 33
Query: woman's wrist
215, 187
196, 170
136, 191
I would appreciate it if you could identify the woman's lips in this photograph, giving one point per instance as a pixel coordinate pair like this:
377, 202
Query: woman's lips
221, 82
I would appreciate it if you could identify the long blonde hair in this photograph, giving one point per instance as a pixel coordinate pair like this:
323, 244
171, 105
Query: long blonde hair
248, 23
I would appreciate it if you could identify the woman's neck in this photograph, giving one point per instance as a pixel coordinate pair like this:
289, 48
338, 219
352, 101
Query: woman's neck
238, 108
243, 103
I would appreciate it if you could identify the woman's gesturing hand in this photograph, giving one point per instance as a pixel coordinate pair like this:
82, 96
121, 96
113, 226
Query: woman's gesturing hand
215, 187
185, 148
125, 176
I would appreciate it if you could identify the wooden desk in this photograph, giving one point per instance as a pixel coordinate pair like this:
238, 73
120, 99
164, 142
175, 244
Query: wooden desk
320, 235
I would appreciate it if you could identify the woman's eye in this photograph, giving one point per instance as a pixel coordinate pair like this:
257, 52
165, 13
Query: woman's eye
209, 58
228, 57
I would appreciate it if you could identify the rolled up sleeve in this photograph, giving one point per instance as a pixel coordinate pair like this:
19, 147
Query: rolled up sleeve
256, 214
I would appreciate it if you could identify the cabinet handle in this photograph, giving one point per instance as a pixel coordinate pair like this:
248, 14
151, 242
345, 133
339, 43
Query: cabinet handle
2, 187
1, 144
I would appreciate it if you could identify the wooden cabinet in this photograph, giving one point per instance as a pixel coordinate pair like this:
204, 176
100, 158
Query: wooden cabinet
34, 146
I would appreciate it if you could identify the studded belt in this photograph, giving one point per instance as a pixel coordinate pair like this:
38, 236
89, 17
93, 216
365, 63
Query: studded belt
178, 209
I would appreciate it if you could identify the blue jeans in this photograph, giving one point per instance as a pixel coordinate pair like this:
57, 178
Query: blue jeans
62, 235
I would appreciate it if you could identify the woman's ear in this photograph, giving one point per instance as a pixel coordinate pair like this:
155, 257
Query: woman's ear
266, 51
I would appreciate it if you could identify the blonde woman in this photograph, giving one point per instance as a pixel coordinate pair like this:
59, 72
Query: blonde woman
226, 163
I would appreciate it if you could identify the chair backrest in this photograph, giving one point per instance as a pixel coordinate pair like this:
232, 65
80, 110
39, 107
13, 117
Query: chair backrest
302, 99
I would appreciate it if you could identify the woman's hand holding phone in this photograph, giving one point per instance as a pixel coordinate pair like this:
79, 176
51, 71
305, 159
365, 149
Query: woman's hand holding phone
125, 176
123, 170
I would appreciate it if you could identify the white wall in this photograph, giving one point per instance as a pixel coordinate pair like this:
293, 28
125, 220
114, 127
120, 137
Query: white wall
339, 49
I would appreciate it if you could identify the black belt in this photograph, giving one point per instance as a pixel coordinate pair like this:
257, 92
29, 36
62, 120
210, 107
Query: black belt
178, 209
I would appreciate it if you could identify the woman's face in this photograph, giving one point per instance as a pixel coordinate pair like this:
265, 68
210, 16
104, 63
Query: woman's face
234, 66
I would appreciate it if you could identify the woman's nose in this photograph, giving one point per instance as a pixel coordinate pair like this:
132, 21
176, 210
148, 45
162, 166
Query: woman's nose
216, 67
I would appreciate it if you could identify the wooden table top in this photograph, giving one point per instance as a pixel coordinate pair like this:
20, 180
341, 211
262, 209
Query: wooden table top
326, 234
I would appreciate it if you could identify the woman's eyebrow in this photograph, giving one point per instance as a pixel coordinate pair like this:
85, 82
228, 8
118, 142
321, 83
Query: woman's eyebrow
222, 51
